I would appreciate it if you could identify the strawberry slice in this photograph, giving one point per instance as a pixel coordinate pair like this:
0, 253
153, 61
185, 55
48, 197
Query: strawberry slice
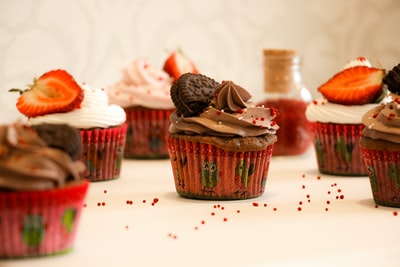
177, 64
354, 86
55, 91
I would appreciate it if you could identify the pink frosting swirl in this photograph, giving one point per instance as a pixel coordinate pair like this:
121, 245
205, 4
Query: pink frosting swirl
142, 85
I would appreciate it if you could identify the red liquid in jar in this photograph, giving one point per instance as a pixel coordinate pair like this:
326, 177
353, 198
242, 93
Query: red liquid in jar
294, 137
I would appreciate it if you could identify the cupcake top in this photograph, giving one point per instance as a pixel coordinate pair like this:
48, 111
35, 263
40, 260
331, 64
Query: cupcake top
142, 85
94, 112
348, 94
383, 121
229, 113
28, 163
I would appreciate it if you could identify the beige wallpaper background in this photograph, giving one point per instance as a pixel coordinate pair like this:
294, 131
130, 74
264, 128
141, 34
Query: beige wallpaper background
94, 39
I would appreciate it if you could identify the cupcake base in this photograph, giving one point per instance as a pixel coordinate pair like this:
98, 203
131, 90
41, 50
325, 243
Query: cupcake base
40, 223
384, 175
102, 152
146, 133
204, 171
337, 148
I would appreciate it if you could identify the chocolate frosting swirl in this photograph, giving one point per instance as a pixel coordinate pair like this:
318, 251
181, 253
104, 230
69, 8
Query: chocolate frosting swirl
231, 97
27, 163
230, 114
383, 122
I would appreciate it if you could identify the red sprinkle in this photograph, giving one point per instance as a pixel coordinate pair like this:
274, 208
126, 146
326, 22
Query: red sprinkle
299, 208
238, 211
212, 213
255, 204
395, 213
225, 219
105, 191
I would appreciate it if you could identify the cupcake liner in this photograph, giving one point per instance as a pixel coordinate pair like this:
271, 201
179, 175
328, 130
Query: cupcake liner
146, 133
102, 152
337, 148
39, 223
384, 175
203, 171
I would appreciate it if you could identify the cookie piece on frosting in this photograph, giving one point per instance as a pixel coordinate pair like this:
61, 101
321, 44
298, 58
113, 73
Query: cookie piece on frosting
392, 80
191, 93
61, 136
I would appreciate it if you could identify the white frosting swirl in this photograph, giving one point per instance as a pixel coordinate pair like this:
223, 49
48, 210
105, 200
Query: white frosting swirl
323, 111
142, 85
94, 112
360, 61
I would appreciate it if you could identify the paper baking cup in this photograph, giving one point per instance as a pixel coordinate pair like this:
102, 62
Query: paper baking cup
384, 175
146, 133
203, 171
337, 148
102, 152
39, 223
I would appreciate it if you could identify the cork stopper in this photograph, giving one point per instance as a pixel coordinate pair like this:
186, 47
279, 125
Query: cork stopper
280, 66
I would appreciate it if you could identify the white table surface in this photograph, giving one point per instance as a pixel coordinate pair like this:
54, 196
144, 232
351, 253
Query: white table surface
182, 232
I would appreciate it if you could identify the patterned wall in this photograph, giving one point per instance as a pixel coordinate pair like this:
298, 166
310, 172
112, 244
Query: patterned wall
94, 39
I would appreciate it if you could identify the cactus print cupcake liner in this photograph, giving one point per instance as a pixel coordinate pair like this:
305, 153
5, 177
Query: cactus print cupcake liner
384, 175
337, 148
203, 171
39, 223
102, 152
147, 128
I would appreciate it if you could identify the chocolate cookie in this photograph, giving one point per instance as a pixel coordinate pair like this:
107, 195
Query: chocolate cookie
192, 93
392, 80
61, 136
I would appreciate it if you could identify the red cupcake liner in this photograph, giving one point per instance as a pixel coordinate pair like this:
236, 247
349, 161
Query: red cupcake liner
203, 171
146, 133
39, 223
337, 148
384, 175
102, 152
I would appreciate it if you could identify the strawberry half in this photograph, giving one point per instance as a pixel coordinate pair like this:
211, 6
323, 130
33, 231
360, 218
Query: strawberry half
55, 91
177, 64
354, 86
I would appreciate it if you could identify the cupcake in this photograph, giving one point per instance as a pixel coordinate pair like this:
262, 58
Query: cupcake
143, 92
56, 98
41, 189
335, 120
220, 144
380, 144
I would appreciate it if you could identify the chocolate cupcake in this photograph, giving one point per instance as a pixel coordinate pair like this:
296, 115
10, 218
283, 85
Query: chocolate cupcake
380, 144
41, 190
224, 151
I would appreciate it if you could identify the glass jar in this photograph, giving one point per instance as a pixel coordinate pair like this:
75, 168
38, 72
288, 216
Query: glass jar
284, 90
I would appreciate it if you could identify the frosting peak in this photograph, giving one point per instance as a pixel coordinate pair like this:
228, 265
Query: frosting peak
231, 97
